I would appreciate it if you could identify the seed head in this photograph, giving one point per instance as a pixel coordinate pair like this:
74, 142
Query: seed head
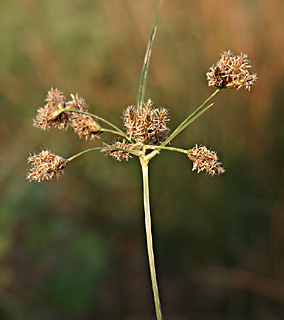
85, 125
53, 112
146, 124
231, 72
77, 103
120, 154
204, 159
45, 165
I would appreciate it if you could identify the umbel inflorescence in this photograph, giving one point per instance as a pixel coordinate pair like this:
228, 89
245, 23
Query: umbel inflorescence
146, 127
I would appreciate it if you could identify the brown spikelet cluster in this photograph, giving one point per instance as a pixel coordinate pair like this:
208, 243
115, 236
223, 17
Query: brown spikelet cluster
119, 155
52, 113
231, 72
77, 103
146, 124
55, 113
85, 126
45, 166
204, 159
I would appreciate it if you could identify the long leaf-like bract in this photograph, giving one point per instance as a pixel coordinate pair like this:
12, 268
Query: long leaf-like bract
145, 67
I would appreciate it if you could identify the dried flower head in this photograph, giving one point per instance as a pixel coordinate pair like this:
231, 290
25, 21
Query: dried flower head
85, 125
231, 72
45, 165
77, 103
204, 159
53, 112
119, 155
146, 124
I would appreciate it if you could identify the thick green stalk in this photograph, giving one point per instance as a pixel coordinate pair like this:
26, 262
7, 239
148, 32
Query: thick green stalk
144, 165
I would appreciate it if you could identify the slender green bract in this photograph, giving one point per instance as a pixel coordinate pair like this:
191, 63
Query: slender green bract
192, 117
145, 67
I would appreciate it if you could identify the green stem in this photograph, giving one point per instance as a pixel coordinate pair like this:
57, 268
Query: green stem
85, 151
112, 131
144, 165
136, 153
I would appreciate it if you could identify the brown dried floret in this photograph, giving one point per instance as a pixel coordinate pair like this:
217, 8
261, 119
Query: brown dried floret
204, 159
231, 72
146, 124
119, 155
53, 112
45, 166
85, 125
77, 103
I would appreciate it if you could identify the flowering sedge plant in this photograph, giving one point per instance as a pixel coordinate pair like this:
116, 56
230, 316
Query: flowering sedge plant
146, 132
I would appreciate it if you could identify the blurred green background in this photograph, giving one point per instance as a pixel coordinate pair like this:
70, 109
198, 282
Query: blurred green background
75, 248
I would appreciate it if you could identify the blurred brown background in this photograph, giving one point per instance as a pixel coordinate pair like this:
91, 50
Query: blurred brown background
74, 248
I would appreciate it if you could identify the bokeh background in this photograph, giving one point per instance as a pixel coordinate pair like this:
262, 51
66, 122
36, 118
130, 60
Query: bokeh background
75, 248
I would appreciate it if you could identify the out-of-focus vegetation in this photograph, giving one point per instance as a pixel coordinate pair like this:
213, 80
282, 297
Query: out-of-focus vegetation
75, 248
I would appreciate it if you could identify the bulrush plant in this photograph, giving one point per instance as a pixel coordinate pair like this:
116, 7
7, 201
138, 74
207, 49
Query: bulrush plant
146, 132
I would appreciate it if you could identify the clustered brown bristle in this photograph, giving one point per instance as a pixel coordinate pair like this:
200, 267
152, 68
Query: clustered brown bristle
231, 72
86, 126
51, 113
204, 159
113, 150
45, 166
146, 124
54, 114
77, 103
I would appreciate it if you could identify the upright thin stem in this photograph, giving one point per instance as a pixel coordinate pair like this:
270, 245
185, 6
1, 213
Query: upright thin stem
144, 165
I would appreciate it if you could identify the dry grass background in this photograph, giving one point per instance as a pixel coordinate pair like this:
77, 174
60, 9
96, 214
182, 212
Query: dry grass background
75, 248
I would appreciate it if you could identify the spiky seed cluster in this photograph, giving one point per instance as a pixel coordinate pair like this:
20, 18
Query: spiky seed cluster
77, 103
45, 166
82, 124
204, 159
119, 154
85, 126
146, 124
231, 72
54, 114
